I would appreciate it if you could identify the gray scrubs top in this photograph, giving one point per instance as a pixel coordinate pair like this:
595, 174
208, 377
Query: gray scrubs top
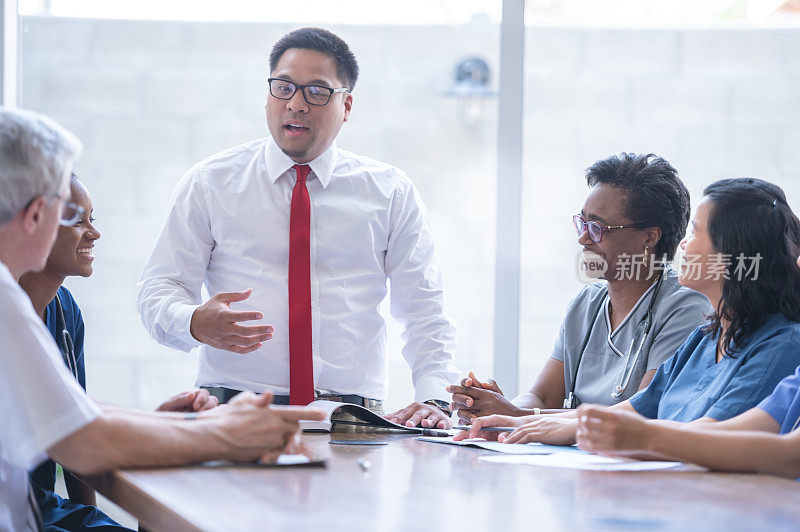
677, 311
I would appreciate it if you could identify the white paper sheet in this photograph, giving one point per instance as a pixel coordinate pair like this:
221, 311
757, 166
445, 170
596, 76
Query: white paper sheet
505, 448
292, 459
583, 460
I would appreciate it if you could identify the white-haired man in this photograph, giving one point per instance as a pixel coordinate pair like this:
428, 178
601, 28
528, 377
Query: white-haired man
45, 412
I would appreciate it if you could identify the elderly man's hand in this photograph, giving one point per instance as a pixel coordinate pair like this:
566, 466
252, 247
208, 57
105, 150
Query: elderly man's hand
421, 415
254, 429
189, 401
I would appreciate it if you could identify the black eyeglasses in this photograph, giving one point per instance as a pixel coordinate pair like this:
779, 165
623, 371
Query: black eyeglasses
313, 94
594, 229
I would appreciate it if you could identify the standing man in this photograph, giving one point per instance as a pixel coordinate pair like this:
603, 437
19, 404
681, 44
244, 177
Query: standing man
45, 411
297, 232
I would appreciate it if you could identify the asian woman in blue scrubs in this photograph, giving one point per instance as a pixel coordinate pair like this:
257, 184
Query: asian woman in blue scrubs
752, 340
72, 255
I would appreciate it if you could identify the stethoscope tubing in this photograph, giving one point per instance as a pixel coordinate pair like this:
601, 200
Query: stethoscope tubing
66, 345
648, 321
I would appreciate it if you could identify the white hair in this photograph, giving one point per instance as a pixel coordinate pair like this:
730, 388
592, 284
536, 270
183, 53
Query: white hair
36, 156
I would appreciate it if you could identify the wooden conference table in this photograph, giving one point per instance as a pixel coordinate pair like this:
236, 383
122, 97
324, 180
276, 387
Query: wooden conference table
413, 486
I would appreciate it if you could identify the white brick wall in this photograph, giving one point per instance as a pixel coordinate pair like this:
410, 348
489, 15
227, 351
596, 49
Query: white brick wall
149, 99
734, 54
638, 53
714, 102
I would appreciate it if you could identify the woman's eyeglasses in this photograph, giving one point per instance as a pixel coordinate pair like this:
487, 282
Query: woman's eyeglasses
71, 214
594, 229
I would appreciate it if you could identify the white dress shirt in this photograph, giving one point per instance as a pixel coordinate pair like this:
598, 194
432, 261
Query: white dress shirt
228, 229
42, 402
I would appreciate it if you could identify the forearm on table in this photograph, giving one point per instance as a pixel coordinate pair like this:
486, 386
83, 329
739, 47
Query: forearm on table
546, 402
744, 451
538, 411
527, 402
113, 409
121, 439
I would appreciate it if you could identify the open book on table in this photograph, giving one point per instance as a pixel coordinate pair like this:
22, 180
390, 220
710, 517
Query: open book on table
365, 417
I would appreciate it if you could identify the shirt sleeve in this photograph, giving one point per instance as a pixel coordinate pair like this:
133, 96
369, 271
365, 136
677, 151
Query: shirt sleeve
778, 402
560, 346
43, 402
170, 284
767, 364
683, 313
646, 401
417, 297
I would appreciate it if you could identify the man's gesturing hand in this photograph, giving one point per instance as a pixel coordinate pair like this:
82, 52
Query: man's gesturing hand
214, 323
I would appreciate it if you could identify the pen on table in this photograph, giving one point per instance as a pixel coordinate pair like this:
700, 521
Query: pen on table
487, 429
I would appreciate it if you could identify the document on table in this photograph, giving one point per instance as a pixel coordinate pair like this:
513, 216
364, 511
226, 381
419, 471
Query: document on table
585, 461
505, 448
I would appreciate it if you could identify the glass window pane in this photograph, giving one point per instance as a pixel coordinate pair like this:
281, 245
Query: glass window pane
713, 90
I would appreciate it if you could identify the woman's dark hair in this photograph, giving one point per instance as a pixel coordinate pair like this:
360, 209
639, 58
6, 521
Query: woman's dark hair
653, 195
322, 41
749, 218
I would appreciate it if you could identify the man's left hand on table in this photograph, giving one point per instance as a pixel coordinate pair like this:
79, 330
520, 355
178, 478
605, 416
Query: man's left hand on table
421, 415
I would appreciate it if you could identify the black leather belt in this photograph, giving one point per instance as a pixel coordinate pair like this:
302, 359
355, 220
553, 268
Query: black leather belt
226, 394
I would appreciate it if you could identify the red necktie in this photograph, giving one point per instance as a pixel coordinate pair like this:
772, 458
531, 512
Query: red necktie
301, 362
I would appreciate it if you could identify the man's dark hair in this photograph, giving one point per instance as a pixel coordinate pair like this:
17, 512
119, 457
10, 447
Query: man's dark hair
321, 41
652, 195
751, 217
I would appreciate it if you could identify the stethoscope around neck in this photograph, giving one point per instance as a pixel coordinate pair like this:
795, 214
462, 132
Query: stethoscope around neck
637, 342
65, 343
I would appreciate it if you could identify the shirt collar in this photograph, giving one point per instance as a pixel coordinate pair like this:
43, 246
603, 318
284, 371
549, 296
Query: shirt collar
278, 162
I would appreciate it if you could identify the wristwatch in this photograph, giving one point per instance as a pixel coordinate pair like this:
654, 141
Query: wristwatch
444, 406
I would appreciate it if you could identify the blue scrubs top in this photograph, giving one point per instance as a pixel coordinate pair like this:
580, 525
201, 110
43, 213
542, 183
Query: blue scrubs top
57, 513
692, 384
44, 476
783, 404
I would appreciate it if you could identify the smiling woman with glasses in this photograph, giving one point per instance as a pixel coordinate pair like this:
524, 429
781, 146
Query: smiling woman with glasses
635, 315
